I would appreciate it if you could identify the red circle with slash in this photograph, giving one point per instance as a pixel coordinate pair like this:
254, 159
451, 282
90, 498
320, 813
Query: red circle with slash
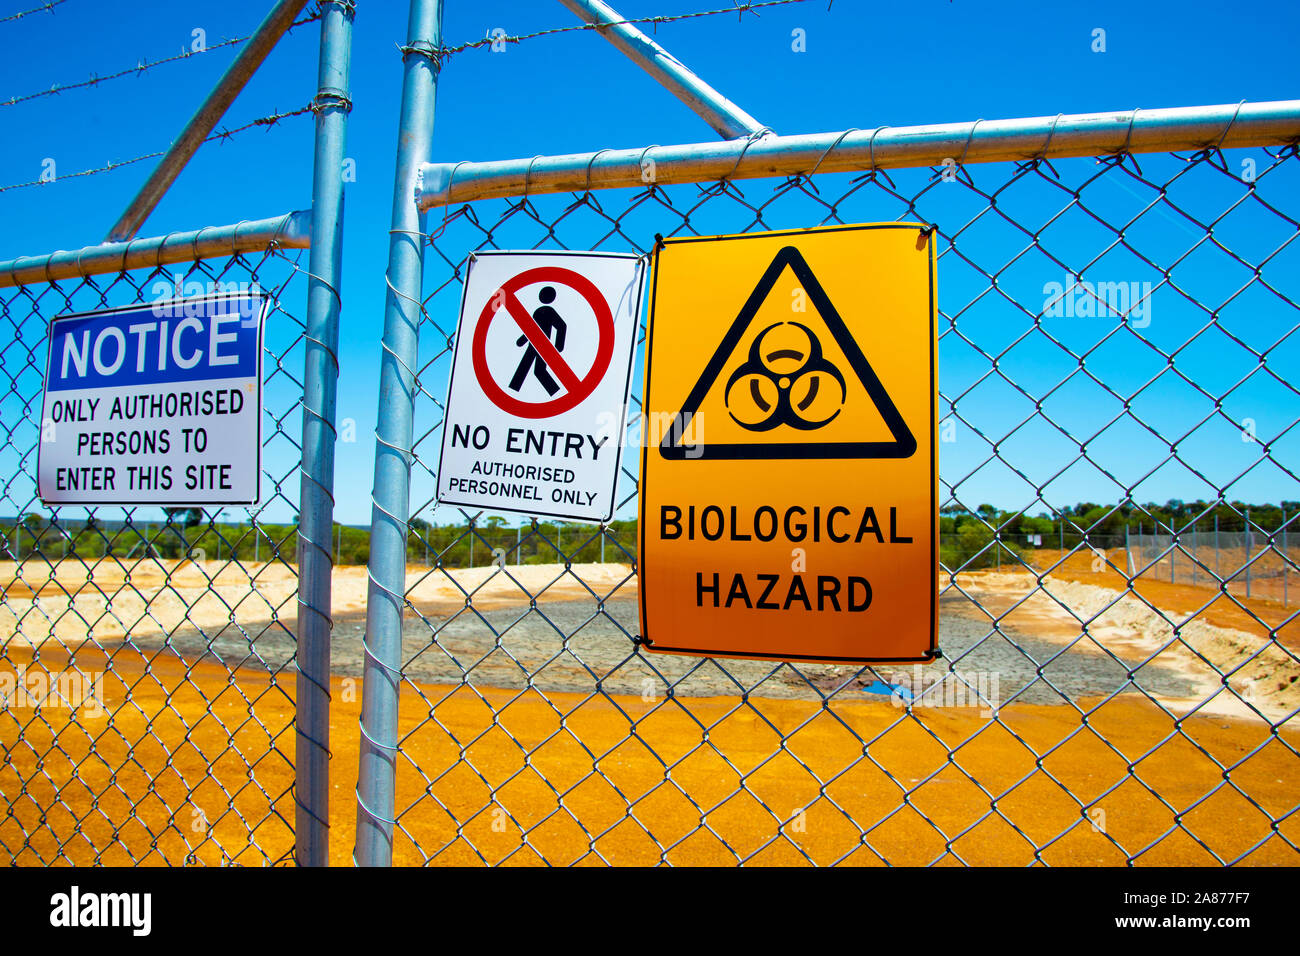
576, 389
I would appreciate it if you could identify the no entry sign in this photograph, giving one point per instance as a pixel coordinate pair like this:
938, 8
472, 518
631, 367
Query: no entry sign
789, 504
543, 354
154, 404
539, 383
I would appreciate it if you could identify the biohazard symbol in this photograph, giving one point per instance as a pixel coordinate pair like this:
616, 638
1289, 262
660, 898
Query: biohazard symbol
787, 380
758, 394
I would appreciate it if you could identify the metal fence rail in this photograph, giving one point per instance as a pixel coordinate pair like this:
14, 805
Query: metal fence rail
1071, 716
147, 666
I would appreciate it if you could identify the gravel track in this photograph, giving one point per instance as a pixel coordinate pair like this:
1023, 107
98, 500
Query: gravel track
510, 647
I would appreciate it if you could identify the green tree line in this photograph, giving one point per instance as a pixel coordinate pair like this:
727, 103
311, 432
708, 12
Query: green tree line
984, 537
188, 533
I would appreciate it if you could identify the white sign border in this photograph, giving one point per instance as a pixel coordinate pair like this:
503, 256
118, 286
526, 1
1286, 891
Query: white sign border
439, 499
177, 303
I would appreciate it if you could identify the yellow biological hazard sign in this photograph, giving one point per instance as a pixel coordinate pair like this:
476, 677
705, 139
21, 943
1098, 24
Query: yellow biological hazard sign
789, 476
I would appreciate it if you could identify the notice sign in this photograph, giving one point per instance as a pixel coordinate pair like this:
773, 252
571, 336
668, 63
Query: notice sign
789, 485
542, 368
157, 404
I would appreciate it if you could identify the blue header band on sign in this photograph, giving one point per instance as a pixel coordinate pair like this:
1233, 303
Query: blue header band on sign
169, 341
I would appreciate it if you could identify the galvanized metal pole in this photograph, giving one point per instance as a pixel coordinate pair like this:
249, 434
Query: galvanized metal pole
250, 57
389, 516
1286, 559
1249, 548
320, 383
1128, 554
1173, 549
1196, 555
727, 119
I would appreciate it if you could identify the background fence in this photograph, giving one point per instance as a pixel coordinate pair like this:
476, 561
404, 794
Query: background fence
148, 711
1077, 703
1241, 562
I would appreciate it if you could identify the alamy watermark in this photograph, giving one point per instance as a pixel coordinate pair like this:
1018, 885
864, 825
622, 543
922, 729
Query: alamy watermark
73, 690
651, 428
176, 298
78, 908
978, 689
1079, 298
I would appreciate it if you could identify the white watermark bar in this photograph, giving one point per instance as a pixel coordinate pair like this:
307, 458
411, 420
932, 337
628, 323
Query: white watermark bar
291, 231
887, 147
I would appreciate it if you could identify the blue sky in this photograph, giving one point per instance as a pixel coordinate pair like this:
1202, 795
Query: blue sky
865, 65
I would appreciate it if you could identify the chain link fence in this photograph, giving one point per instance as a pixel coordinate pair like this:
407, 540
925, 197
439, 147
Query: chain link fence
147, 658
1117, 328
1110, 329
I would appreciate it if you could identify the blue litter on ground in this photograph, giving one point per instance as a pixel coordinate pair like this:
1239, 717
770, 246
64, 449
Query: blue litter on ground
889, 690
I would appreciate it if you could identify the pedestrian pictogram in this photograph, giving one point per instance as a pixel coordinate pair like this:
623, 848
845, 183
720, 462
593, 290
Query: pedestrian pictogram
551, 326
543, 334
539, 383
789, 486
776, 376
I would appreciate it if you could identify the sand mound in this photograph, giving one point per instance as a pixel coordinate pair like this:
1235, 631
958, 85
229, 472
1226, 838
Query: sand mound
1260, 672
71, 600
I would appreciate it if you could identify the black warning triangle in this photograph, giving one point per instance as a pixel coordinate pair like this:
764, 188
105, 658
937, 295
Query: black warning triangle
903, 444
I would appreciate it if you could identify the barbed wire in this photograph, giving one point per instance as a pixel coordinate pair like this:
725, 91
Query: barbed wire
49, 6
739, 8
223, 134
142, 66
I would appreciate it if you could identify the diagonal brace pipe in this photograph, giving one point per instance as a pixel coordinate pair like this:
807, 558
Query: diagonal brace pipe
726, 118
250, 57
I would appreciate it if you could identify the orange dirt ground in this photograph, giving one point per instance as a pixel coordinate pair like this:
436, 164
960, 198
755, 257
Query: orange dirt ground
74, 793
